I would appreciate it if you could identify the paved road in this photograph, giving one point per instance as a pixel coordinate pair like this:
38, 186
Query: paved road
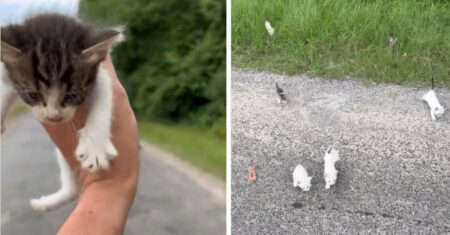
394, 173
171, 199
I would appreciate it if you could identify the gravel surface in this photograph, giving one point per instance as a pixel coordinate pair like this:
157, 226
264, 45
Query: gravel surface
168, 201
394, 173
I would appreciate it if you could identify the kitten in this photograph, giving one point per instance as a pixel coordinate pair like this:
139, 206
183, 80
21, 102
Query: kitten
269, 28
436, 109
53, 63
392, 41
281, 96
330, 172
301, 178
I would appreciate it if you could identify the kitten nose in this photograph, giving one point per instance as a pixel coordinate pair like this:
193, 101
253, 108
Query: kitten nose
55, 119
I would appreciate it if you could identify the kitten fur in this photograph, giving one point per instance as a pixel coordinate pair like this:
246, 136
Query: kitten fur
301, 178
53, 63
66, 193
436, 109
269, 28
330, 172
281, 95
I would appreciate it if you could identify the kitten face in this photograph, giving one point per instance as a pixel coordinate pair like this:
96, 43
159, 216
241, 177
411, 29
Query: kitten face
305, 186
439, 111
52, 61
305, 183
51, 109
52, 84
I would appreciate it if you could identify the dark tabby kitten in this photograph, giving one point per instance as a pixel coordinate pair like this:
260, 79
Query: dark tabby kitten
281, 96
53, 63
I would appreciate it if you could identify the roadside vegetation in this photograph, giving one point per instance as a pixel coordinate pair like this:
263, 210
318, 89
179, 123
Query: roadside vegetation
340, 38
172, 65
194, 144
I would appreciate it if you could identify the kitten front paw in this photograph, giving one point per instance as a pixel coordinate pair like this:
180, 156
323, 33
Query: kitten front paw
94, 152
433, 117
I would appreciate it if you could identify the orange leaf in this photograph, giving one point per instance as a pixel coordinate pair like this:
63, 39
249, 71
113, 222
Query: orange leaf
252, 174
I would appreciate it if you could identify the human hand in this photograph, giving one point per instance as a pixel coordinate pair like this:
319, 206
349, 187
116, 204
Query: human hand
106, 196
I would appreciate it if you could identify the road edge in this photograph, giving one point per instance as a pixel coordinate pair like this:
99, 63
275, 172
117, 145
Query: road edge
207, 181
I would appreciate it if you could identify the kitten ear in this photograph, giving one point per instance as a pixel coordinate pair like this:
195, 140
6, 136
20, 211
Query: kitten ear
10, 54
101, 45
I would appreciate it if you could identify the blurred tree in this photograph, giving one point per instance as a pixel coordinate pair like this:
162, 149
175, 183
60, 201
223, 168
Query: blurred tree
173, 62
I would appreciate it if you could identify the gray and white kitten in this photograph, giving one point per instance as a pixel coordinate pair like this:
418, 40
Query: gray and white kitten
281, 97
53, 63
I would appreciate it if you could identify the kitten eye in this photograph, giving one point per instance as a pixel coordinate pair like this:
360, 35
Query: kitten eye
34, 96
72, 99
69, 98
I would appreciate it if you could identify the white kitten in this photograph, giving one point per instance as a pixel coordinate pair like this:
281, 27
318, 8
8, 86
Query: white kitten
269, 28
301, 178
66, 193
436, 109
330, 172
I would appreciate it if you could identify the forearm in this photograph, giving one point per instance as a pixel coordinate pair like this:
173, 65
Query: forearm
107, 195
102, 208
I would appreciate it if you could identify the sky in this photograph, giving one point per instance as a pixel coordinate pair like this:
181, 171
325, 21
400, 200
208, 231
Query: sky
15, 11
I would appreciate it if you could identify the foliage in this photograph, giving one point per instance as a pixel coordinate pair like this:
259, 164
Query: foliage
337, 38
173, 60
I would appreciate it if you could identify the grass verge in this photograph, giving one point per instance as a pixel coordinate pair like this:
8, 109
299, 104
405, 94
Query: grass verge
199, 146
17, 110
339, 38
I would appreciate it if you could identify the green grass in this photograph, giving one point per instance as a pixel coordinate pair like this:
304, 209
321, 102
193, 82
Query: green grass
17, 110
200, 146
336, 38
